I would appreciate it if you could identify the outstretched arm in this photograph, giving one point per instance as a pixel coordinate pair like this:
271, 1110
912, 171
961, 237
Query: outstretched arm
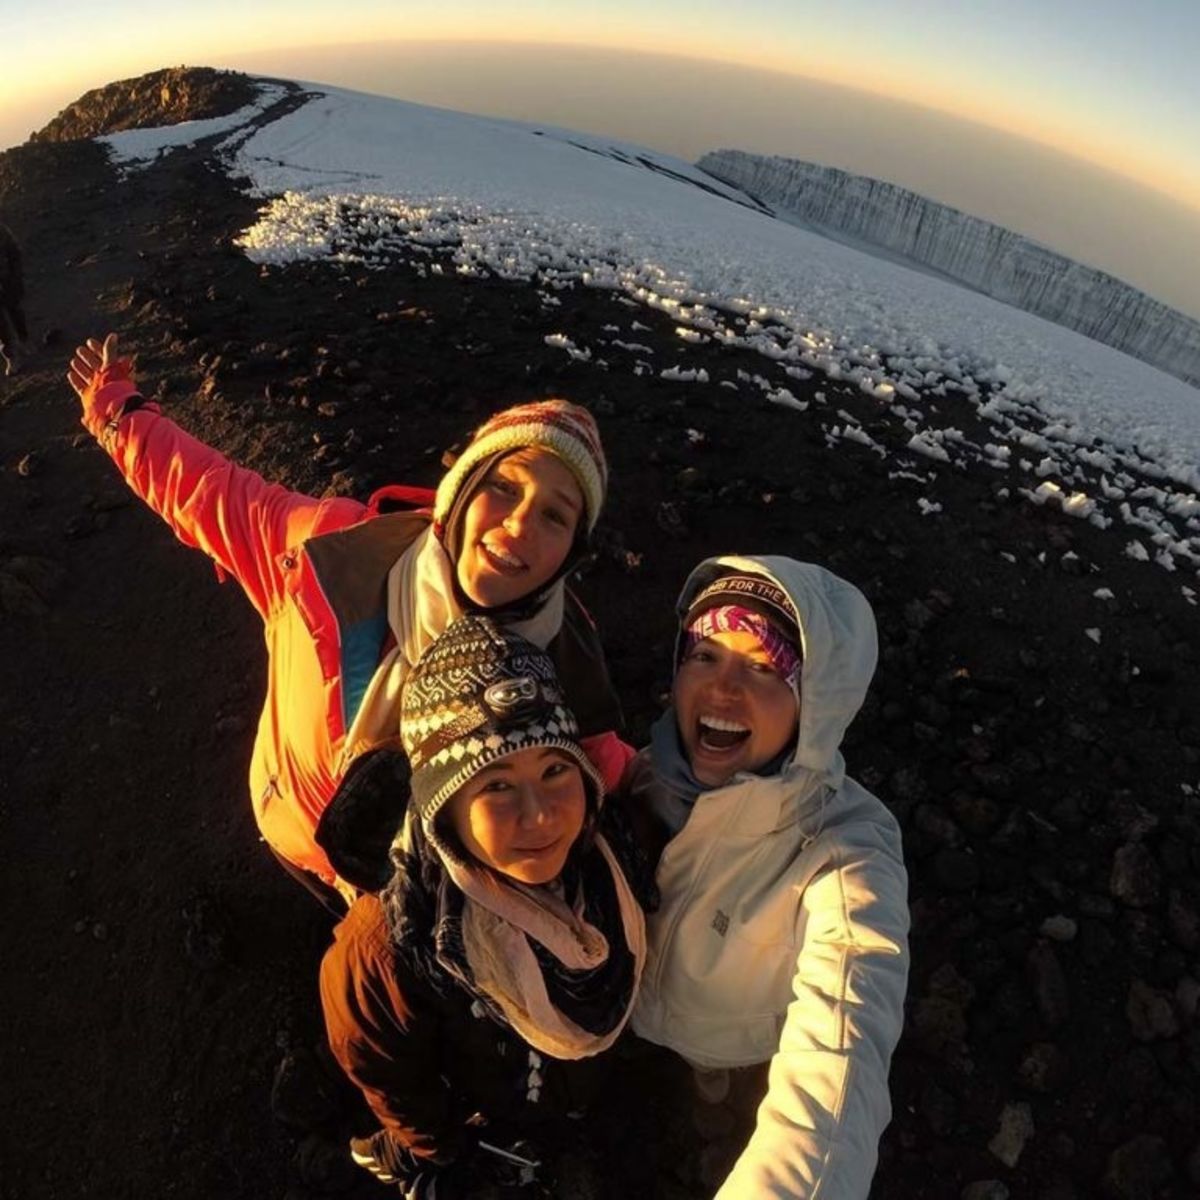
827, 1102
231, 513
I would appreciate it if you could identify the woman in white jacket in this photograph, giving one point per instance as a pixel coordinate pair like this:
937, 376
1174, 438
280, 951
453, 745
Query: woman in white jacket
782, 934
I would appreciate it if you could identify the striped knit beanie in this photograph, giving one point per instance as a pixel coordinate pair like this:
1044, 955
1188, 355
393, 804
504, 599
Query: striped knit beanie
479, 693
565, 429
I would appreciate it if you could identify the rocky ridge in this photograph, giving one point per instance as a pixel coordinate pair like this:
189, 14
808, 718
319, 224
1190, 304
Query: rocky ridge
165, 97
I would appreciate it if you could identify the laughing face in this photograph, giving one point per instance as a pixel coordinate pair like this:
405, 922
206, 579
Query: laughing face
733, 711
521, 815
518, 527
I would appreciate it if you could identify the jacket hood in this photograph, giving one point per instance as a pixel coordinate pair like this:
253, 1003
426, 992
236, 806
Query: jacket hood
838, 640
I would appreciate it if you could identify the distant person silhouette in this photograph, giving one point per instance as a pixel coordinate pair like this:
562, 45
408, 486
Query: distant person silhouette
13, 330
352, 593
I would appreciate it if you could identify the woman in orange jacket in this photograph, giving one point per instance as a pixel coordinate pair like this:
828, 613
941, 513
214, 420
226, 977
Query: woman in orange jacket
352, 593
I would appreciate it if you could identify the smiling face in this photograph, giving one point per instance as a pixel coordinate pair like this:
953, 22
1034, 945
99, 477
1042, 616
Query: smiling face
733, 711
521, 815
518, 528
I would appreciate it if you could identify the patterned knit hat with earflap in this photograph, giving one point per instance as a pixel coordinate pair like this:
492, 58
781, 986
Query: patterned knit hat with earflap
564, 429
478, 694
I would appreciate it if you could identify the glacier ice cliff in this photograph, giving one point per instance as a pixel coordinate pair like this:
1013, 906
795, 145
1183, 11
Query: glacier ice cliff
971, 251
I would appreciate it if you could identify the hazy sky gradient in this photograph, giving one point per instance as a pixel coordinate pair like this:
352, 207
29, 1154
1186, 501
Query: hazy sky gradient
1106, 83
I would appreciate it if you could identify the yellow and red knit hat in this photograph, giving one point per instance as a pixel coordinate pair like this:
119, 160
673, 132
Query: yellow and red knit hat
564, 429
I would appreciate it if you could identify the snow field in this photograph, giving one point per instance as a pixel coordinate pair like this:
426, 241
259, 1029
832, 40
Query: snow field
1073, 424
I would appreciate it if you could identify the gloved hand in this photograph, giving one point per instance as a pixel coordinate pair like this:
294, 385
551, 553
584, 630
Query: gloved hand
478, 1175
94, 367
385, 1158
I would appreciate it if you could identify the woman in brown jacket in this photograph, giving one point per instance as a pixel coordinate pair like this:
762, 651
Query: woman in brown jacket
467, 1000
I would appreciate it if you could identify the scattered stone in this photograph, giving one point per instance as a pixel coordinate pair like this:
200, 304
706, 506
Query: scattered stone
978, 815
1187, 998
1043, 1068
1016, 1128
931, 821
1183, 920
1049, 984
1132, 820
1151, 1013
1059, 928
940, 1019
1135, 879
1138, 1169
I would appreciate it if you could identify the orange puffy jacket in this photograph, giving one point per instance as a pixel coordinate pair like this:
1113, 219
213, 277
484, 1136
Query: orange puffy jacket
316, 571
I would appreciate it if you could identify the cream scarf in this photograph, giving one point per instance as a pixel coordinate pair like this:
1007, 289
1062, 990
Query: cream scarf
495, 921
421, 604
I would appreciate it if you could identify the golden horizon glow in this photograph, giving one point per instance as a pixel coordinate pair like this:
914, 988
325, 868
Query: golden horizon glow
1121, 158
942, 94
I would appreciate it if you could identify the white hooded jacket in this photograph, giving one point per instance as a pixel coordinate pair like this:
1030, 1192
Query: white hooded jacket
782, 933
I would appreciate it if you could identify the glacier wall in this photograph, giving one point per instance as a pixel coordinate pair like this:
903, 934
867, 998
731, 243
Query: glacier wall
990, 258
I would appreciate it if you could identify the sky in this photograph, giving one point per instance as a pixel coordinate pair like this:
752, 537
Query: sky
1078, 97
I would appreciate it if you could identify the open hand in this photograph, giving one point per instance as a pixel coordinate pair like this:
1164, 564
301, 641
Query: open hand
89, 358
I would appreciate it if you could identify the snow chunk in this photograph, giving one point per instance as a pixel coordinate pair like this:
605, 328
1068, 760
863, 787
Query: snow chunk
924, 444
680, 375
783, 396
561, 342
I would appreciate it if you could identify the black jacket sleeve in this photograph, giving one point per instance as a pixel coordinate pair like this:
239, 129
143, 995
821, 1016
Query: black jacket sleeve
579, 661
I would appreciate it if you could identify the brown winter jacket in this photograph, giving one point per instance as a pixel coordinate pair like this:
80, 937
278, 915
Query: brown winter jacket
401, 1042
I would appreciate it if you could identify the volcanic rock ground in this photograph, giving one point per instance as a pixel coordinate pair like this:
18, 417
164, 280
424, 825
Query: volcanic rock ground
161, 1027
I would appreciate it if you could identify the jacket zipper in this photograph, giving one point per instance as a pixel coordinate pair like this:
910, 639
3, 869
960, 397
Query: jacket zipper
680, 909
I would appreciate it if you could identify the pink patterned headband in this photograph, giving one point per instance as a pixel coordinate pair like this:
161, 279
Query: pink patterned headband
733, 618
